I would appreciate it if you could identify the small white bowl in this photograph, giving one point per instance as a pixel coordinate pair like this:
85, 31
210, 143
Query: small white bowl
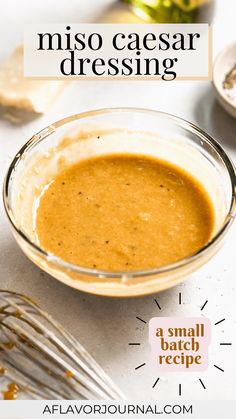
224, 62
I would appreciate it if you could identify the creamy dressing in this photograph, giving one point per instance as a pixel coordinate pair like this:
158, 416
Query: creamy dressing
124, 212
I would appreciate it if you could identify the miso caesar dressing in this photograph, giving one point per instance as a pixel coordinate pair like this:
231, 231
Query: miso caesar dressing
124, 212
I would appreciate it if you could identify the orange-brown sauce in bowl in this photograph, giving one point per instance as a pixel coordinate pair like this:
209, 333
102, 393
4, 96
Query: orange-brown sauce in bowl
124, 212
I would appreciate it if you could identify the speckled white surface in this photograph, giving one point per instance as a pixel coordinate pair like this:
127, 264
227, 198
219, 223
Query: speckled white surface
105, 326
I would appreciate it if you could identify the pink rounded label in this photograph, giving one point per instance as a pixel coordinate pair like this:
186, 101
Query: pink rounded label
180, 343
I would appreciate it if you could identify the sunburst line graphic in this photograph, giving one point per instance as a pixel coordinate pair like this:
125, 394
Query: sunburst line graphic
158, 305
203, 385
218, 368
223, 344
154, 385
134, 343
140, 366
220, 321
141, 320
204, 305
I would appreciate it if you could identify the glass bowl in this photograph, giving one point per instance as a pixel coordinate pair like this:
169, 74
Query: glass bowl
141, 131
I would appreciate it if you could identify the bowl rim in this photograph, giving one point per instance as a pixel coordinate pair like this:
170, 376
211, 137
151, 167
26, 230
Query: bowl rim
103, 274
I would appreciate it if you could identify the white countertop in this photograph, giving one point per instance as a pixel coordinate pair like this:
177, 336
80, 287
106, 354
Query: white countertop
104, 325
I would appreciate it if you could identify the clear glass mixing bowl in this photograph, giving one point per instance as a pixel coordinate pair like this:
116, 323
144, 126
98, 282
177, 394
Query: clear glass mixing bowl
143, 132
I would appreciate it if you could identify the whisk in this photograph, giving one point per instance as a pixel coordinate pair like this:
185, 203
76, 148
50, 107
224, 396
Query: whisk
43, 359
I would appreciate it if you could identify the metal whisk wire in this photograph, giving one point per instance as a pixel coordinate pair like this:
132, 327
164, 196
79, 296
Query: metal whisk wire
46, 361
